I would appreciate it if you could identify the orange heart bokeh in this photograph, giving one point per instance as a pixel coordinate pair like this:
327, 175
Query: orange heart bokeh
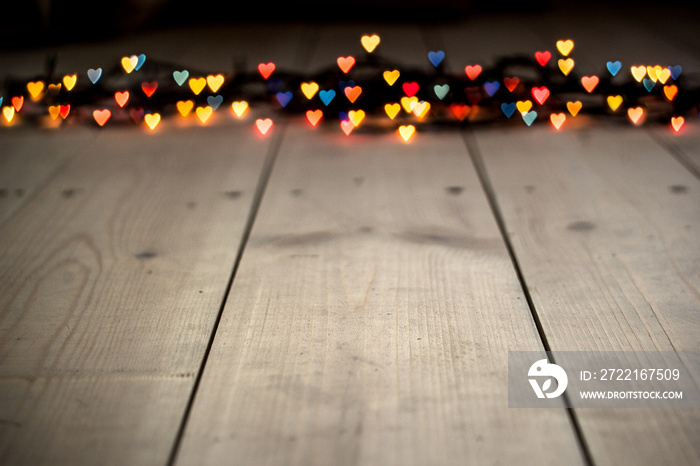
314, 116
101, 116
346, 63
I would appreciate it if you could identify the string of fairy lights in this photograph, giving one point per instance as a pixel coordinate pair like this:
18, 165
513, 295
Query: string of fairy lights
368, 92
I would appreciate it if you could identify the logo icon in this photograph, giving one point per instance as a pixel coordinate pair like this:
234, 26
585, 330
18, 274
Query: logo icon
543, 368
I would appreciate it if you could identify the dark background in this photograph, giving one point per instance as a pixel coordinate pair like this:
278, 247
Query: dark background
30, 23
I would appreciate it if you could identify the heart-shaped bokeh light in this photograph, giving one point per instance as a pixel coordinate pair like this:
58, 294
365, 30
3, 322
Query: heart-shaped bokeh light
636, 114
309, 89
35, 89
574, 107
566, 65
185, 107
314, 116
614, 102
263, 125
406, 131
392, 110
239, 107
69, 81
101, 116
215, 81
370, 42
390, 76
152, 120
203, 113
121, 98
197, 85
557, 119
266, 69
565, 46
472, 71
346, 63
677, 123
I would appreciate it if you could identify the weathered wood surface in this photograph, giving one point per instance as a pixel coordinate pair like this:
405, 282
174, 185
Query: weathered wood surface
28, 161
114, 269
602, 222
370, 319
110, 282
604, 226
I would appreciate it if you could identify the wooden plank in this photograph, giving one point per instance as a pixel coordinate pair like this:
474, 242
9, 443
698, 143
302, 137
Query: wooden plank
599, 229
370, 319
110, 282
608, 246
27, 162
685, 145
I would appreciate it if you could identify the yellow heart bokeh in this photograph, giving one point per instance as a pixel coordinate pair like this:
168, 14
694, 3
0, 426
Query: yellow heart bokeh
54, 110
653, 72
565, 46
420, 109
69, 81
663, 75
203, 113
8, 113
185, 107
35, 89
566, 65
215, 82
614, 102
407, 131
239, 107
152, 120
390, 76
54, 89
309, 89
638, 72
392, 110
523, 106
129, 63
370, 42
356, 116
197, 85
407, 103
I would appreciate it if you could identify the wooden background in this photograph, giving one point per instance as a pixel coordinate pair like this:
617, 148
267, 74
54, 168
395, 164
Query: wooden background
202, 295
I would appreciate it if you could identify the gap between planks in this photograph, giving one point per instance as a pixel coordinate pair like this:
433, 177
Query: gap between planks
303, 56
270, 158
480, 169
433, 41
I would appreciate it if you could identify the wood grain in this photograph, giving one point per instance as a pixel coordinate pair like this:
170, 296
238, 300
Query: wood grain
110, 281
601, 221
604, 226
28, 162
370, 319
